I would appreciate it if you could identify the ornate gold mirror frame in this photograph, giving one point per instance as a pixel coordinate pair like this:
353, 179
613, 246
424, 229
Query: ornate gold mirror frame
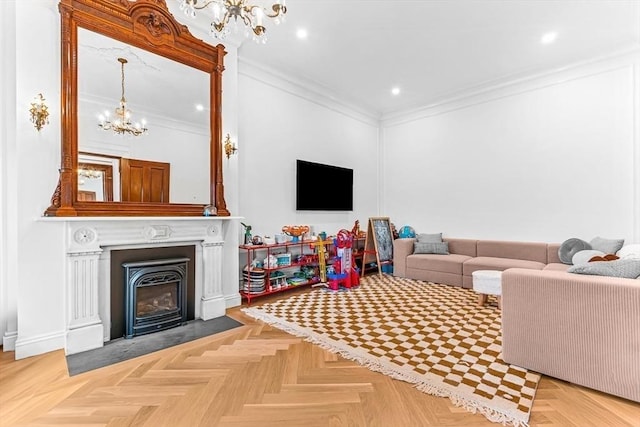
148, 25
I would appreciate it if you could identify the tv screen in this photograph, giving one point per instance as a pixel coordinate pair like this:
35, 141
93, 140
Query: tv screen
323, 187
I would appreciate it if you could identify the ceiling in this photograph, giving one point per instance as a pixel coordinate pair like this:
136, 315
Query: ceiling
357, 50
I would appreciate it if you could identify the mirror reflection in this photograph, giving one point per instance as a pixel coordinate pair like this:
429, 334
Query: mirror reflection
95, 178
170, 161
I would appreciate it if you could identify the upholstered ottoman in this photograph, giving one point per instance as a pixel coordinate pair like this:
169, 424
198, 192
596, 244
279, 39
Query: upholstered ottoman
487, 282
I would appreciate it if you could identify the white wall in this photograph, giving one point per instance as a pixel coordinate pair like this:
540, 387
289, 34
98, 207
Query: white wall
34, 257
544, 160
280, 122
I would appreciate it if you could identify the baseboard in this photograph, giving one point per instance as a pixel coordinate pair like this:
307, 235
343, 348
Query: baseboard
9, 341
232, 300
39, 344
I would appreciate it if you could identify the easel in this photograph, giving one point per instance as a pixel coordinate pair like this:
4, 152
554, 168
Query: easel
378, 244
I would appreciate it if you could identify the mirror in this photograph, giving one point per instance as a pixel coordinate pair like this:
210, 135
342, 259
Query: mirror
167, 73
95, 179
178, 132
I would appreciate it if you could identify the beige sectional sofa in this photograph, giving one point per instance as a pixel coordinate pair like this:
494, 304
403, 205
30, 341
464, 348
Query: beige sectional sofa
468, 255
580, 328
583, 329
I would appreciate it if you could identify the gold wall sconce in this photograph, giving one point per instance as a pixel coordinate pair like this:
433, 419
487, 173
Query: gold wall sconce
39, 112
229, 147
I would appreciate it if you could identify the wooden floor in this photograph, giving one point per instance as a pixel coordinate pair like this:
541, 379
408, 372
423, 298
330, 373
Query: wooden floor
258, 376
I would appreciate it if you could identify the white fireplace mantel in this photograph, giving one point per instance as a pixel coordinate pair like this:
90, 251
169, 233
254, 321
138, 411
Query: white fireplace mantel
88, 245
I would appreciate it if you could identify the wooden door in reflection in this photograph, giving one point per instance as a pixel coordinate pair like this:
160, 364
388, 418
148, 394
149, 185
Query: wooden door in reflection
144, 181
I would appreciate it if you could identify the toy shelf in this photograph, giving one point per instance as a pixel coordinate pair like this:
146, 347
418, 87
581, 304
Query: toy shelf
302, 253
293, 255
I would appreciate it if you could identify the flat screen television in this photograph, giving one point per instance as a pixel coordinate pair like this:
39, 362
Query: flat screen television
323, 187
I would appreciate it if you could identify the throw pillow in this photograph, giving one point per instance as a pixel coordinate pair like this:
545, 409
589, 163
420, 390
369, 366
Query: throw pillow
629, 252
608, 257
583, 257
608, 246
570, 247
626, 268
439, 248
430, 238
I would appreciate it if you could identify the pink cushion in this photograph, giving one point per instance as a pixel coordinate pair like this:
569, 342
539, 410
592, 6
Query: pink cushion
451, 263
500, 264
462, 246
556, 266
515, 250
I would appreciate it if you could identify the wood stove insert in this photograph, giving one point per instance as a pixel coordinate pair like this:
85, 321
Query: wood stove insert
155, 295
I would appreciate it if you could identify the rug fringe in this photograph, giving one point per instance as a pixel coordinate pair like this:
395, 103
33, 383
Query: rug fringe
470, 405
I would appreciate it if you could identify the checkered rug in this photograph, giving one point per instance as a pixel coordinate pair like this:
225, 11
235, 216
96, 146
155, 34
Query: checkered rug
433, 336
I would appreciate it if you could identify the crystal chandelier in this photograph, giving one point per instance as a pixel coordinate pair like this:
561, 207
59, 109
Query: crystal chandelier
223, 11
89, 173
121, 124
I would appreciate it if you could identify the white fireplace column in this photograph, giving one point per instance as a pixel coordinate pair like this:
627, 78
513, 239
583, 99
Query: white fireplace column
213, 300
84, 326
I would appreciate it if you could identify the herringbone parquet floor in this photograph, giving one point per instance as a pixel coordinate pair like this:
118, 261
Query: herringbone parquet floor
258, 376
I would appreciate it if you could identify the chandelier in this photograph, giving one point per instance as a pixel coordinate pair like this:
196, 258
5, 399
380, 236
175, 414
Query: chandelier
240, 11
121, 124
89, 173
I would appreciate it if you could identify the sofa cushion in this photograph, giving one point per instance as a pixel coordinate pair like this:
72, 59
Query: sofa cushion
626, 268
529, 251
429, 238
462, 246
441, 248
556, 266
552, 253
608, 246
444, 263
570, 247
500, 264
629, 252
583, 257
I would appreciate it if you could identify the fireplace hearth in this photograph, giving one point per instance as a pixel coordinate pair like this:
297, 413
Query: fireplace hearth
155, 295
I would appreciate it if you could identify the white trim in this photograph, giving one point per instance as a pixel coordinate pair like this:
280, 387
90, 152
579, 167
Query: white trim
507, 87
8, 178
306, 89
636, 151
39, 344
233, 300
9, 341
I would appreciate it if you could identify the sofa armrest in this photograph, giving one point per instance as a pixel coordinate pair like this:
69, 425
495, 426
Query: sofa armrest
580, 328
402, 248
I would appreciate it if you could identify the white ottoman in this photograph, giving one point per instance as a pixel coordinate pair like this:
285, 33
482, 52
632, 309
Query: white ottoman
487, 282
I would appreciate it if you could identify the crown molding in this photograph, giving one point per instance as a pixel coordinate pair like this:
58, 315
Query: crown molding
512, 85
308, 90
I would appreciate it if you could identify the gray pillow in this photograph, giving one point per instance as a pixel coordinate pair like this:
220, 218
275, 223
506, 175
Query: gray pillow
626, 268
583, 257
430, 238
570, 247
439, 248
608, 246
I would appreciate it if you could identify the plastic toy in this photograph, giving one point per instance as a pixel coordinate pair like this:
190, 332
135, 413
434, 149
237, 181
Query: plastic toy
407, 231
344, 273
295, 231
247, 234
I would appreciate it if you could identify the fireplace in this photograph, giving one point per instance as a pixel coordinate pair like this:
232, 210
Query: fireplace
95, 301
118, 282
156, 295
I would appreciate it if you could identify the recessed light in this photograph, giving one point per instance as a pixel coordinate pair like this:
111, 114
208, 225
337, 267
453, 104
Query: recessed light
199, 107
549, 38
395, 91
302, 33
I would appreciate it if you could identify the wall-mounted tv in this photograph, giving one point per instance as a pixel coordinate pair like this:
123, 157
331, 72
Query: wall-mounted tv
322, 187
